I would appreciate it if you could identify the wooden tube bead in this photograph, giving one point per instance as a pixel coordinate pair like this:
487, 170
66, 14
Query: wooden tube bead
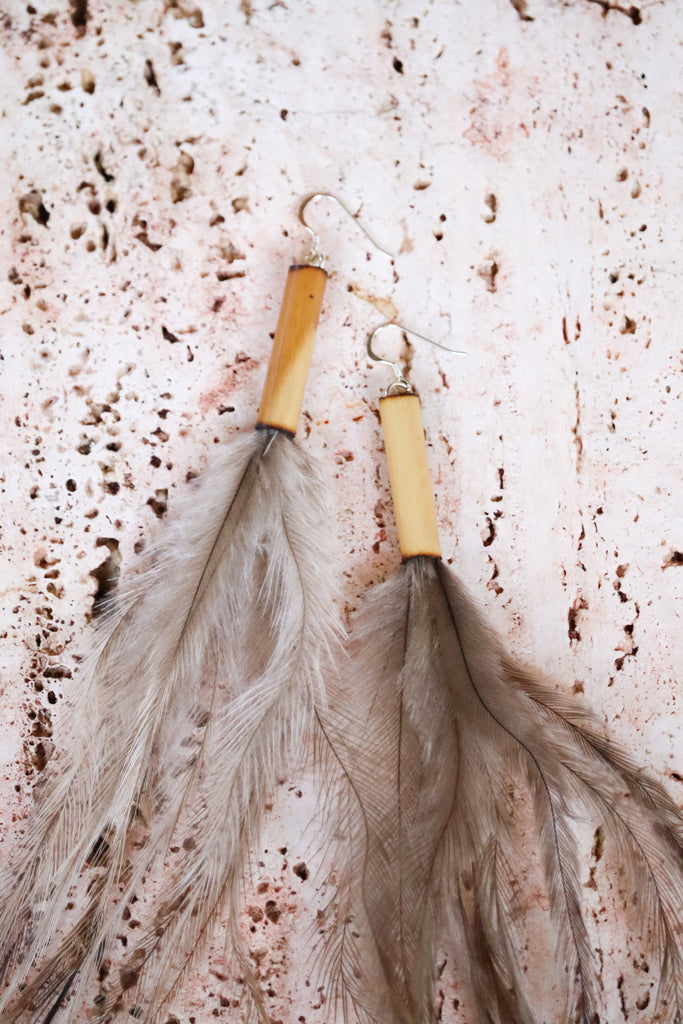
411, 487
283, 392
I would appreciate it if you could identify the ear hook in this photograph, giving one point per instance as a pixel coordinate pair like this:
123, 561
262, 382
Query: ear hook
402, 386
316, 257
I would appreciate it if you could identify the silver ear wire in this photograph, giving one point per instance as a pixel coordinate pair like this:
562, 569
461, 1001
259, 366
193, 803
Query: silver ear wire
316, 257
401, 385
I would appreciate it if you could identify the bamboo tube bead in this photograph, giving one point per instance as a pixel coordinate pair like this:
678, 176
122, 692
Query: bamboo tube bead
411, 487
283, 392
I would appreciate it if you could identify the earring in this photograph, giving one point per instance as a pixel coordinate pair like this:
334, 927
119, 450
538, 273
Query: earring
463, 779
203, 682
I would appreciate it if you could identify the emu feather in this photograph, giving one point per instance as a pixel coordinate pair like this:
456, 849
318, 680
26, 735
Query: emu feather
203, 683
432, 726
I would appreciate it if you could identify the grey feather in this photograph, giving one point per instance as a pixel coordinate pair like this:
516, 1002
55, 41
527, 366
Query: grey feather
202, 687
431, 728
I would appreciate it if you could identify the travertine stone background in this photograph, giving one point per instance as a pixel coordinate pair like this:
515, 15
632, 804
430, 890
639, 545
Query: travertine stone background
522, 160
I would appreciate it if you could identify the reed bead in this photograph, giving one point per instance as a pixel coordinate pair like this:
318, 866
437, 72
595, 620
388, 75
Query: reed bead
283, 392
411, 487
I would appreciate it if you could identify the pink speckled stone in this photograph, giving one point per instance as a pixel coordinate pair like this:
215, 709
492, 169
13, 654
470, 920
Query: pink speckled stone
522, 162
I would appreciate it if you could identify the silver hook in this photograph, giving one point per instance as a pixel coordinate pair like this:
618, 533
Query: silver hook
316, 256
402, 386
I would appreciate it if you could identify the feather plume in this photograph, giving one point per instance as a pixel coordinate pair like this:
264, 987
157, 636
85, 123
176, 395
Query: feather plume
431, 728
204, 681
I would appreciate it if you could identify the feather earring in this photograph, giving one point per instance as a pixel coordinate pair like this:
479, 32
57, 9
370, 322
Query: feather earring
204, 679
434, 729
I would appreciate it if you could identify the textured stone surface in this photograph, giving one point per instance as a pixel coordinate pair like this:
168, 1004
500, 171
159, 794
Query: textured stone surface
522, 162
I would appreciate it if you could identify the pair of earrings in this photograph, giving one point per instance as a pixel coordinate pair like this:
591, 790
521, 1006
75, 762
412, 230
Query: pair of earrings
207, 677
